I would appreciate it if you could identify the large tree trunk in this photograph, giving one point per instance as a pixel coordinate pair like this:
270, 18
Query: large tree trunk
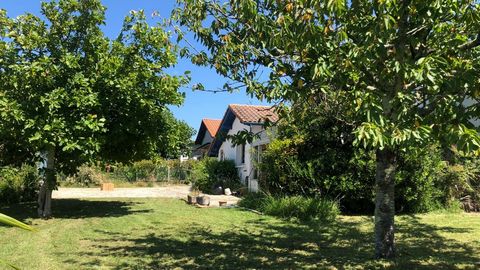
385, 204
46, 188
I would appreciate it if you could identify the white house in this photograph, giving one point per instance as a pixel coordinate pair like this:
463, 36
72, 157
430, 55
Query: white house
207, 131
252, 119
471, 102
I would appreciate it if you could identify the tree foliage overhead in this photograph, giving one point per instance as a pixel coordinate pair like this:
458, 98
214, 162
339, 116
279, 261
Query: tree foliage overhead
407, 69
64, 85
400, 72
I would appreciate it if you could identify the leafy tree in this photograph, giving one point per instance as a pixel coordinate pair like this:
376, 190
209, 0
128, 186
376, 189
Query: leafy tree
407, 70
178, 139
69, 92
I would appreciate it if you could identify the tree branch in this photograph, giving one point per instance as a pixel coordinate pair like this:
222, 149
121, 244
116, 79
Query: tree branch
470, 45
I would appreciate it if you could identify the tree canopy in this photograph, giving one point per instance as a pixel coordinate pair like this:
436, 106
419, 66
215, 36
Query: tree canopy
403, 72
69, 94
405, 86
64, 84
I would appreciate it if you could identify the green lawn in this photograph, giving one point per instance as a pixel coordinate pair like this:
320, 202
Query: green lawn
165, 233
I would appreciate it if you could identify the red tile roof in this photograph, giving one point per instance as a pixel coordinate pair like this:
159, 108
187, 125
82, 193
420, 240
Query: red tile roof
254, 113
212, 125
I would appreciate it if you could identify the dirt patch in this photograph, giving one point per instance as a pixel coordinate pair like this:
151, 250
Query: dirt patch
177, 191
174, 191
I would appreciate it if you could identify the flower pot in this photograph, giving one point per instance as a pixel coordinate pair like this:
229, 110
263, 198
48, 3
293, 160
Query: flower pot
192, 199
203, 200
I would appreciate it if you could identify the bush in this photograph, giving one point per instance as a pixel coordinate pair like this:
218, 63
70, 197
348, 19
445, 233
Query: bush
18, 184
147, 170
182, 170
420, 182
158, 170
302, 208
289, 167
463, 180
424, 181
210, 173
89, 175
144, 170
141, 171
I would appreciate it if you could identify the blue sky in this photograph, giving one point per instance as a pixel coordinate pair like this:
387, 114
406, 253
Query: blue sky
197, 104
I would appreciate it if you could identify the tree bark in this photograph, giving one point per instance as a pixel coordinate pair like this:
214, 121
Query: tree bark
47, 185
385, 204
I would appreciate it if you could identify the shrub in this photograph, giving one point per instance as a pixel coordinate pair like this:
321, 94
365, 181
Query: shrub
18, 184
302, 208
89, 175
157, 170
424, 181
210, 173
291, 167
146, 170
420, 182
463, 181
182, 170
150, 170
253, 200
86, 175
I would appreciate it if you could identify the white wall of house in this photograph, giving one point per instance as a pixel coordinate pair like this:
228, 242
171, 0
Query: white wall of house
230, 152
207, 138
470, 102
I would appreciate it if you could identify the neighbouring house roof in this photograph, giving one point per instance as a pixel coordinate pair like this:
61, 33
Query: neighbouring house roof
246, 114
210, 125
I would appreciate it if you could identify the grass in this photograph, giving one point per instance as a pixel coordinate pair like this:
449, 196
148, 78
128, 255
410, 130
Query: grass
167, 233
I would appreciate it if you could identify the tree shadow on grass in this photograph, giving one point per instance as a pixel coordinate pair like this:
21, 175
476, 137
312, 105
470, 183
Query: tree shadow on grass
75, 209
206, 249
260, 244
424, 242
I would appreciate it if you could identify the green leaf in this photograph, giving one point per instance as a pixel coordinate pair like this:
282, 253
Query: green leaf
35, 137
13, 222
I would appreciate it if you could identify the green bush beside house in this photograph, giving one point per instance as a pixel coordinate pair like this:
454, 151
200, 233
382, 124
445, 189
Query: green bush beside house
424, 180
209, 173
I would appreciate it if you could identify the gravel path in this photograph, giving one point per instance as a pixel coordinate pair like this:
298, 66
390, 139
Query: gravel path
177, 191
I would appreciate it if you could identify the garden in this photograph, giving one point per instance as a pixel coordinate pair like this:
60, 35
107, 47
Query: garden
372, 164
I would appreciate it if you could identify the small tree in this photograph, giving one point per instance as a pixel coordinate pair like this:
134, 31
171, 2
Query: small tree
69, 92
178, 140
405, 71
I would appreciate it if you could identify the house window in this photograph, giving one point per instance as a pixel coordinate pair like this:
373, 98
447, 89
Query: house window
255, 162
240, 153
243, 153
257, 159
